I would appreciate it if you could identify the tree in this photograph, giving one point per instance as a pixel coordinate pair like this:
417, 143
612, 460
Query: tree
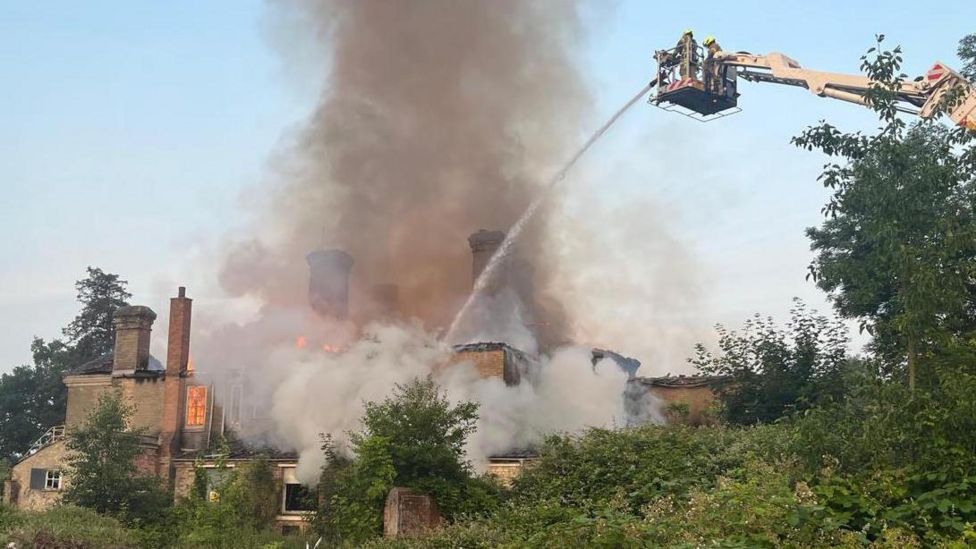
774, 372
91, 332
102, 466
897, 248
414, 438
33, 398
967, 52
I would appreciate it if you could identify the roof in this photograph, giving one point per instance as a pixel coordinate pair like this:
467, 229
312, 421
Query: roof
104, 363
627, 364
683, 381
239, 449
484, 346
516, 453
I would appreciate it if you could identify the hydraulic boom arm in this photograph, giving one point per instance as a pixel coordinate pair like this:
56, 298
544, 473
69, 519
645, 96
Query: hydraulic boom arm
706, 86
920, 97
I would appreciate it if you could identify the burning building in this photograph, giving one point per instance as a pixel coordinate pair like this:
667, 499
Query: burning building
183, 418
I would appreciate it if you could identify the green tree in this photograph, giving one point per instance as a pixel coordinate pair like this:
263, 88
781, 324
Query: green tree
103, 475
33, 397
897, 248
967, 52
773, 372
414, 438
91, 332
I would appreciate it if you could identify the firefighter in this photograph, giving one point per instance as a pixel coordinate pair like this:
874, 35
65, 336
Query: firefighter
687, 52
712, 46
712, 78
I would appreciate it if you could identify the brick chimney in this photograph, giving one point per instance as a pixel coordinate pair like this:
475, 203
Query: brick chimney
483, 244
178, 342
328, 282
133, 325
174, 386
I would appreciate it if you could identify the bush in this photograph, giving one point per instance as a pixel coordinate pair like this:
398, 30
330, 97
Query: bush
415, 439
634, 465
241, 515
66, 527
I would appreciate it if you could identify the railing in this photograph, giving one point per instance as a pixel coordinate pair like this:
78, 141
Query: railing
51, 436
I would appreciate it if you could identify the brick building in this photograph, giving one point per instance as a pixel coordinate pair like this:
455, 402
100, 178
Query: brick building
182, 418
179, 416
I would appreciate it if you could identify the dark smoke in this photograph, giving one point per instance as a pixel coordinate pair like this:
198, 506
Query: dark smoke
437, 118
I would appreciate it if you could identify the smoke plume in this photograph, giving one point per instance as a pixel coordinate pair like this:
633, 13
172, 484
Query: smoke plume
436, 118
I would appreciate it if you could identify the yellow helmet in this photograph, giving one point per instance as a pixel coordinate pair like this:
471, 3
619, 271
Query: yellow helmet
709, 40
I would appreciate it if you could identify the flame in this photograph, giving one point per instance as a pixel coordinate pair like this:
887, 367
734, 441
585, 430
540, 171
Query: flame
331, 348
189, 363
301, 342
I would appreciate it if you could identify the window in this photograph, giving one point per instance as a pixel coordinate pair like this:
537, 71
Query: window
45, 479
298, 499
196, 405
234, 413
52, 480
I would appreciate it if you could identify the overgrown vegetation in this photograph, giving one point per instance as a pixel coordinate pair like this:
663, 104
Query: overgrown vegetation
415, 439
102, 463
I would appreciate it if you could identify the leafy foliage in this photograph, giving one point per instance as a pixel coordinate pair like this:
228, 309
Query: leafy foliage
896, 249
91, 332
967, 52
414, 438
102, 464
773, 372
68, 527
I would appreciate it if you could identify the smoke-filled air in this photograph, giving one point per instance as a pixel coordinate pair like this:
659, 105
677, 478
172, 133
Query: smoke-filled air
435, 119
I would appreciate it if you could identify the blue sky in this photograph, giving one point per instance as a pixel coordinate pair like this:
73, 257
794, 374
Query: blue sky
131, 130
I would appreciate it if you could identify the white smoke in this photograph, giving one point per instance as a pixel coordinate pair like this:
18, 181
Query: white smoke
323, 393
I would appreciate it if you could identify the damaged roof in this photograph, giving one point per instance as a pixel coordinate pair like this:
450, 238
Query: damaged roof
627, 364
239, 449
485, 346
104, 363
682, 381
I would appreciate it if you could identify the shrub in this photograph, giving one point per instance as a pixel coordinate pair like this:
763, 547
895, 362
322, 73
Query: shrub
68, 526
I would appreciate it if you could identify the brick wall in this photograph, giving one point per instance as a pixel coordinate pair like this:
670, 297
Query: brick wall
487, 363
698, 399
146, 395
83, 395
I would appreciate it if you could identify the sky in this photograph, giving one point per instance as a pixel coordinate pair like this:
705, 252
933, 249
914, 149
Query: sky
133, 134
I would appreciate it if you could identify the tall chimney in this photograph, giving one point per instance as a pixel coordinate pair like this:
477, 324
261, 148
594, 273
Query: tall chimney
133, 325
483, 244
328, 282
178, 342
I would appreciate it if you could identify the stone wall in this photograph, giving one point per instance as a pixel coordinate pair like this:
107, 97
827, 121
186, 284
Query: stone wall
52, 456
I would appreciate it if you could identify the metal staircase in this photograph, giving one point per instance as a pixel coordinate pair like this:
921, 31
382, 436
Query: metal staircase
50, 436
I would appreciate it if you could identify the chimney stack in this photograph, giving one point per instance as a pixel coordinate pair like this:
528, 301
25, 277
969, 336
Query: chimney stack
178, 342
483, 244
133, 325
328, 282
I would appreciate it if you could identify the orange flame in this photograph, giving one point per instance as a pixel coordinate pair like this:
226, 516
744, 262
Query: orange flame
301, 342
331, 348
